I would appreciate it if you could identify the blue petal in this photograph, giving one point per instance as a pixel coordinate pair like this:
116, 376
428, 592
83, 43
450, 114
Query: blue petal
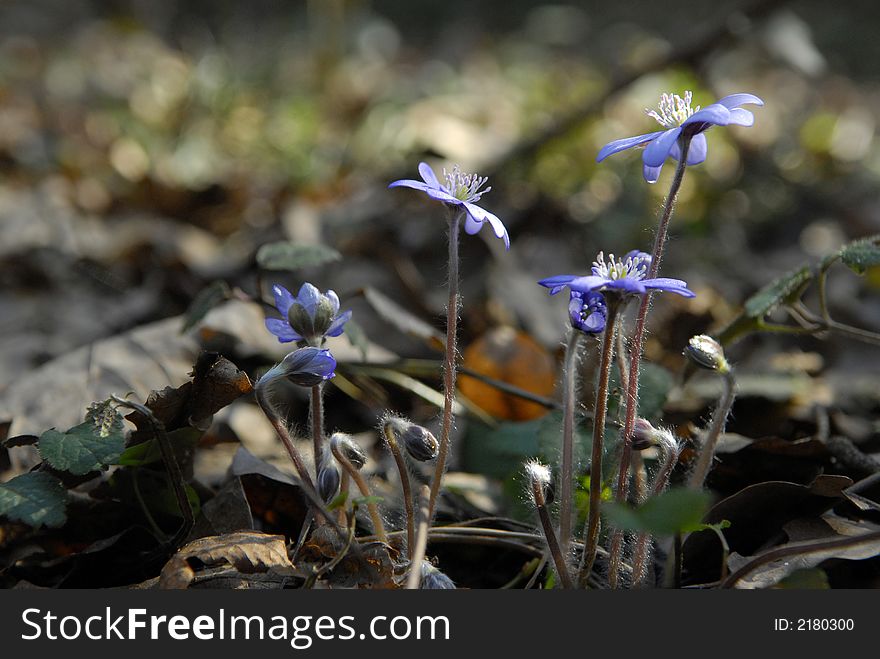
627, 284
428, 176
283, 299
309, 297
334, 300
472, 225
741, 117
656, 152
715, 114
557, 283
651, 174
594, 323
735, 100
282, 330
336, 327
696, 152
626, 143
669, 285
442, 195
587, 283
481, 214
409, 183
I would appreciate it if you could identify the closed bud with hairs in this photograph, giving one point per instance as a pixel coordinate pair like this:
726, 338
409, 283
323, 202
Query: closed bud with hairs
349, 449
418, 441
434, 579
328, 478
707, 353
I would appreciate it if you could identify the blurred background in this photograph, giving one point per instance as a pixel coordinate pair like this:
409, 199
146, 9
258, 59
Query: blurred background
148, 149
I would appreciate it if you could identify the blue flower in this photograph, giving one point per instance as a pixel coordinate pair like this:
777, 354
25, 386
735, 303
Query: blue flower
587, 311
460, 190
627, 276
308, 317
675, 114
305, 367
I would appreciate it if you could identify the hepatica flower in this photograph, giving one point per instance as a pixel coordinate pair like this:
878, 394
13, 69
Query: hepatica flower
625, 276
306, 367
678, 118
462, 190
587, 312
308, 317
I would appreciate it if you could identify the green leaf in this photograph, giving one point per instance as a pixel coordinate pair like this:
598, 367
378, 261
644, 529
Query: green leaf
36, 498
293, 256
677, 510
861, 254
205, 300
91, 445
778, 291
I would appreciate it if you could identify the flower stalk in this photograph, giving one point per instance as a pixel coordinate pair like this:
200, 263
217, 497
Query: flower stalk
449, 364
600, 409
355, 475
539, 482
391, 438
568, 405
316, 421
638, 340
707, 450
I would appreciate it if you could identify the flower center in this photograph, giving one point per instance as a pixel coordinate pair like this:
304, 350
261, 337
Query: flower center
673, 109
465, 187
631, 268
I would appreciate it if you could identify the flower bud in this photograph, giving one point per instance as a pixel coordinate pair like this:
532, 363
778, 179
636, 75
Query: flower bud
644, 435
349, 449
707, 353
540, 477
418, 441
328, 479
434, 579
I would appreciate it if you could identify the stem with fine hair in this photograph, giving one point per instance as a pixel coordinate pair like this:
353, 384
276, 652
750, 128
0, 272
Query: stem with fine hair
449, 363
356, 476
286, 439
668, 458
550, 534
707, 450
600, 408
638, 341
421, 545
405, 486
568, 405
316, 421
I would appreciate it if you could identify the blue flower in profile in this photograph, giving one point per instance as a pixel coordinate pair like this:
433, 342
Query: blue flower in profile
587, 312
306, 367
462, 190
677, 117
625, 276
308, 317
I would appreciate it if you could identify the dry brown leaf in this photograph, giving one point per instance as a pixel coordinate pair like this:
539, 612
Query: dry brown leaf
248, 552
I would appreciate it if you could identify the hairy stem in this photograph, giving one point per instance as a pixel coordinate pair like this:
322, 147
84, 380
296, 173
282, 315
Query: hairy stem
600, 408
668, 459
405, 486
638, 342
378, 526
286, 439
707, 450
449, 364
550, 535
421, 545
316, 421
568, 405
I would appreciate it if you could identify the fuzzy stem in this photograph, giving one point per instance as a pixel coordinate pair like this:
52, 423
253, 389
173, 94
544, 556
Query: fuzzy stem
285, 438
449, 364
668, 458
570, 385
550, 535
316, 421
405, 486
638, 341
600, 408
355, 475
707, 451
421, 545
